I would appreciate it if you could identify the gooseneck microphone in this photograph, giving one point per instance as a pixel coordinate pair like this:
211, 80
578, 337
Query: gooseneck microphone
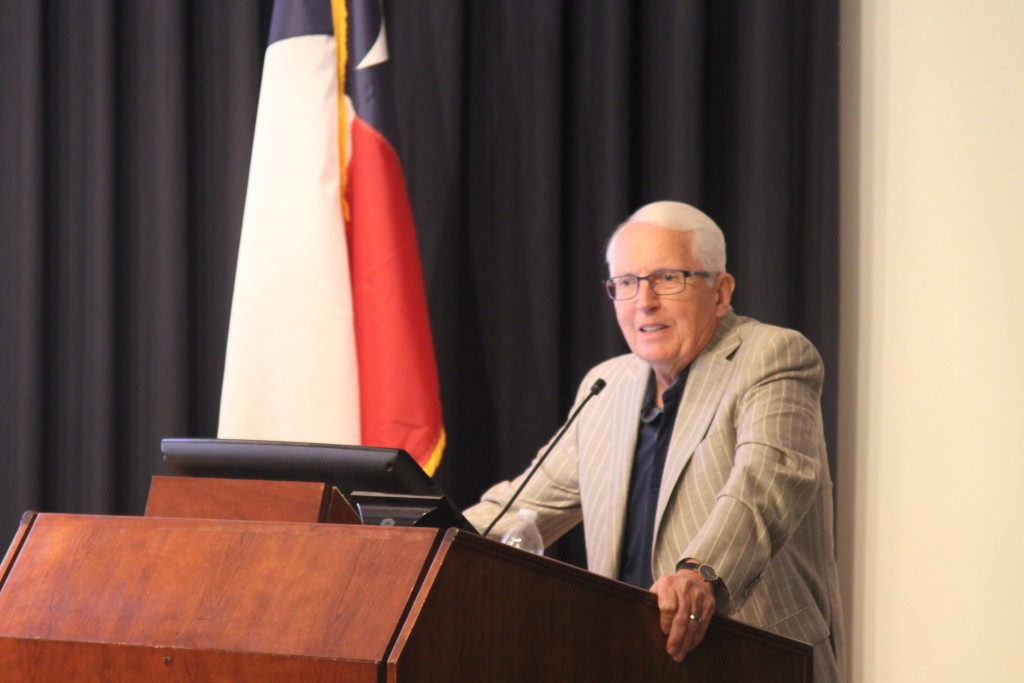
595, 389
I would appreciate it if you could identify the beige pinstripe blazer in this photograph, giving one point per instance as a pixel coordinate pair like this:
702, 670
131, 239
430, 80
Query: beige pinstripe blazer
746, 486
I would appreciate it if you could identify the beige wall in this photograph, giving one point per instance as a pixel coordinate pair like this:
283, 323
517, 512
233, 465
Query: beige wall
931, 457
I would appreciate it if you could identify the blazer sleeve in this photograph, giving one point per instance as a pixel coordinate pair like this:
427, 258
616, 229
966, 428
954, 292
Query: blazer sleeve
775, 473
553, 492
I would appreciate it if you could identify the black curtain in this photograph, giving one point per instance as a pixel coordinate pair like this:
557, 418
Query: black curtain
125, 133
528, 130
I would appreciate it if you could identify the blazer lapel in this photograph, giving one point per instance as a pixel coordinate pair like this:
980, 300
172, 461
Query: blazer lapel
618, 456
709, 375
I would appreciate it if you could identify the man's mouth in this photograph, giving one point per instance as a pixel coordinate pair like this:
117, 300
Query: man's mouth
651, 328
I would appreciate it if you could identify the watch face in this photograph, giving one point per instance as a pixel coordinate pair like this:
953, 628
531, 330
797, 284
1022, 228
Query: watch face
708, 573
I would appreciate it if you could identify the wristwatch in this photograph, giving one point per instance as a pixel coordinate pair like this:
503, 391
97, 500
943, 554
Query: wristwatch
706, 571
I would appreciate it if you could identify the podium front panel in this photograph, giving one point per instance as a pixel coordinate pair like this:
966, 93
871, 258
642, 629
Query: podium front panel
504, 614
336, 592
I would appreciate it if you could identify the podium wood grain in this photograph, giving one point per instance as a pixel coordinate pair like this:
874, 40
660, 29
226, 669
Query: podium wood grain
170, 597
196, 591
254, 500
509, 615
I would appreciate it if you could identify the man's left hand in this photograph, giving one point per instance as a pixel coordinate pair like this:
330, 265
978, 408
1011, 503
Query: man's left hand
686, 603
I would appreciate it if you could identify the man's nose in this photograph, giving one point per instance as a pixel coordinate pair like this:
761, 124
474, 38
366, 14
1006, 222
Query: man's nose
645, 296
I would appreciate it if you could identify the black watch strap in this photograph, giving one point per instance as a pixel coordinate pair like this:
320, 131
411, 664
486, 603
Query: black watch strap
706, 571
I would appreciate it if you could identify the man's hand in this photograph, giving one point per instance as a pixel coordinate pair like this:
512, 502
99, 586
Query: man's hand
686, 602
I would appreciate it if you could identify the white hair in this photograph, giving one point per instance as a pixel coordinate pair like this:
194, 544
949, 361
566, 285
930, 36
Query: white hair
708, 241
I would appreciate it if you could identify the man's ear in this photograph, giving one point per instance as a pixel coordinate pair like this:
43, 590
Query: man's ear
724, 286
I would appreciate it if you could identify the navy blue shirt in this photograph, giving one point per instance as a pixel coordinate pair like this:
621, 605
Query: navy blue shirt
652, 440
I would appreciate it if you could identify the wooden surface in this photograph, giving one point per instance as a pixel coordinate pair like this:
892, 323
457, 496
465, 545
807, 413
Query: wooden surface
240, 591
248, 499
512, 616
732, 651
175, 599
44, 661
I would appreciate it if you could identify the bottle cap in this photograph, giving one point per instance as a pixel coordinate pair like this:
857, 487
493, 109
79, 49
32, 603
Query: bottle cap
526, 513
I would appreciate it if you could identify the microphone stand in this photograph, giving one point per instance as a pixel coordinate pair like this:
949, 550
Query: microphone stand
594, 391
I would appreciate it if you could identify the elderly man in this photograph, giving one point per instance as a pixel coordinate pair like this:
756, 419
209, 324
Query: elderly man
702, 464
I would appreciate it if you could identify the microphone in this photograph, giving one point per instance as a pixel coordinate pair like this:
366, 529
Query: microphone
595, 389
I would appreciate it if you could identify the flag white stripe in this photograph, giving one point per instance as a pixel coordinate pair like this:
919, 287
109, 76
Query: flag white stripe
291, 370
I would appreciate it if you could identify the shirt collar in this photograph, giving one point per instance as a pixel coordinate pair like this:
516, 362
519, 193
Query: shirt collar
650, 409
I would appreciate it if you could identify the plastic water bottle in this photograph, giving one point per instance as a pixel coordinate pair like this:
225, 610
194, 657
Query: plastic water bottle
524, 534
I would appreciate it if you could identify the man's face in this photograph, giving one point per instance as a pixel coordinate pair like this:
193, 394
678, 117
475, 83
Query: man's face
667, 331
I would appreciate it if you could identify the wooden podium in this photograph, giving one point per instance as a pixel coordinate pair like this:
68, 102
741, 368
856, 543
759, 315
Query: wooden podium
173, 598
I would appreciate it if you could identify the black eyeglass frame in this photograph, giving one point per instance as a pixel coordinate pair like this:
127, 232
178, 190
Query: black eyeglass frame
687, 274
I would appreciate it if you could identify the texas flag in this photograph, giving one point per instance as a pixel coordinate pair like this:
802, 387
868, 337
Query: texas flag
329, 340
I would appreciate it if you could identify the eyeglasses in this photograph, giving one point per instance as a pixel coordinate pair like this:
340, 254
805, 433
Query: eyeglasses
661, 281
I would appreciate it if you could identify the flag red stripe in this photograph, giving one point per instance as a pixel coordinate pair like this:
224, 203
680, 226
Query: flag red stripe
399, 394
